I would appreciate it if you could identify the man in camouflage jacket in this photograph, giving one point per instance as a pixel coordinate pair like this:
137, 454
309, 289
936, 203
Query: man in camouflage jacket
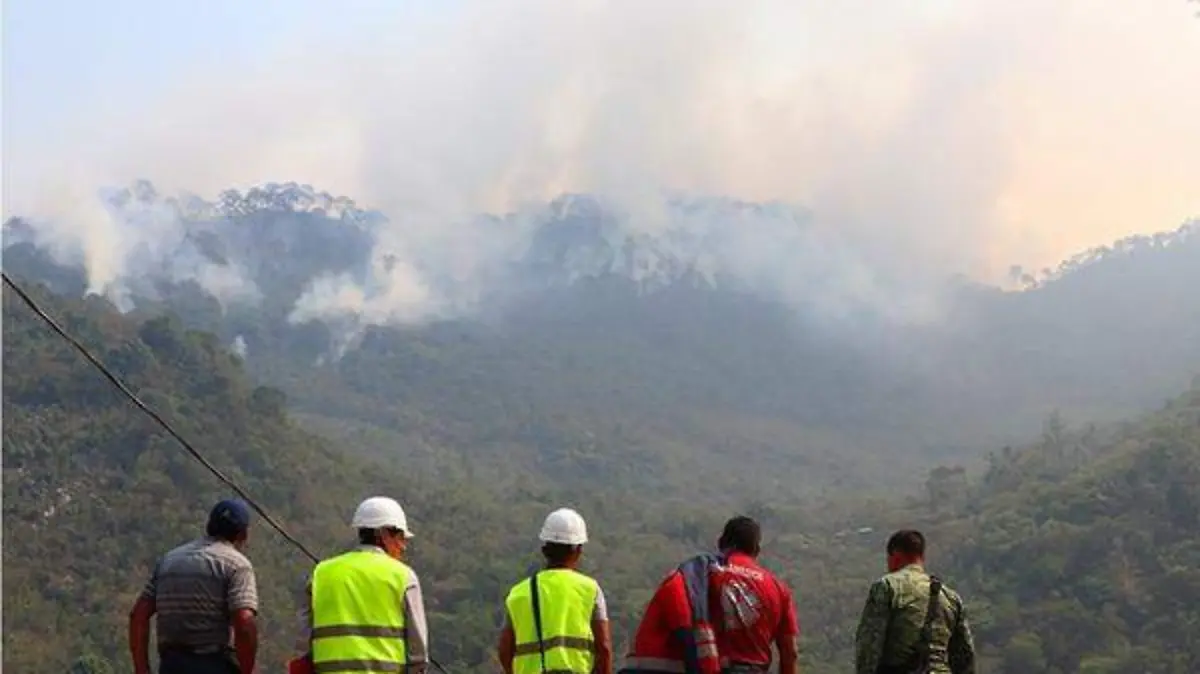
889, 631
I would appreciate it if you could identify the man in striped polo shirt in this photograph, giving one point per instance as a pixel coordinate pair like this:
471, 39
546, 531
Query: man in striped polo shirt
206, 600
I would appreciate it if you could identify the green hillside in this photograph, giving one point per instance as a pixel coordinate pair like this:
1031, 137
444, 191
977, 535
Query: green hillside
94, 492
1084, 551
571, 372
1076, 554
607, 384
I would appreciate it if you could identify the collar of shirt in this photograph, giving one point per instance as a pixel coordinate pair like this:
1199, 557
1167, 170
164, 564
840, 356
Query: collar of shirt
213, 540
740, 559
366, 547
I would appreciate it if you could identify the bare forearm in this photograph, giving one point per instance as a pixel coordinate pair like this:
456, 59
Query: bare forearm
139, 636
245, 642
247, 652
604, 664
506, 650
789, 660
139, 651
603, 639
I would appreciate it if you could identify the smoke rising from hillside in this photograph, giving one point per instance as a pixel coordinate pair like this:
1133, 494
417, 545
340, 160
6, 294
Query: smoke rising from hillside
901, 130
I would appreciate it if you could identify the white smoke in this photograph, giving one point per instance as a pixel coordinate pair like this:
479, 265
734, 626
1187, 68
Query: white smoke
123, 238
239, 347
901, 129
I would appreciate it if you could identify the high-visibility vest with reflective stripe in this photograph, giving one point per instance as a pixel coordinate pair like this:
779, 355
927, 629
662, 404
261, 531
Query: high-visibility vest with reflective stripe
567, 600
358, 616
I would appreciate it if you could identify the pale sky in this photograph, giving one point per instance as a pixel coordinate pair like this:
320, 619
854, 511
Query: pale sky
977, 134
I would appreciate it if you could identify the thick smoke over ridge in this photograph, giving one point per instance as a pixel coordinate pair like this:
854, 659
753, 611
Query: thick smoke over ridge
771, 250
131, 236
896, 129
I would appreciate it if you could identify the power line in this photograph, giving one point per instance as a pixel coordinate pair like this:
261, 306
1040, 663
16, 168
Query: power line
33, 305
154, 415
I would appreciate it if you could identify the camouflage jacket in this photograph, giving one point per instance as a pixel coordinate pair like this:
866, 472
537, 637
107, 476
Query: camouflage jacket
890, 627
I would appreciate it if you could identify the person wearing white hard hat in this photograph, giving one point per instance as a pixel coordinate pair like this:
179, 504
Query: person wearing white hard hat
363, 608
557, 620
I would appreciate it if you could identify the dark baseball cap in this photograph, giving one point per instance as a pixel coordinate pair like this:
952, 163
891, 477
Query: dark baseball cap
229, 518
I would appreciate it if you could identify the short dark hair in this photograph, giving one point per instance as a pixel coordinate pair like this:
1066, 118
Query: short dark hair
742, 534
558, 553
222, 533
908, 542
371, 536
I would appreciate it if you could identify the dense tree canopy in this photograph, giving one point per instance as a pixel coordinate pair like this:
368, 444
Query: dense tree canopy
657, 413
1077, 553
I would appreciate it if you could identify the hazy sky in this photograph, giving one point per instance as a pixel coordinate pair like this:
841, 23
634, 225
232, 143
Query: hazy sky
963, 135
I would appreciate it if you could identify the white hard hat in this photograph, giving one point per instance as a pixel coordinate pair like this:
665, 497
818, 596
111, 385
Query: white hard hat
564, 526
380, 512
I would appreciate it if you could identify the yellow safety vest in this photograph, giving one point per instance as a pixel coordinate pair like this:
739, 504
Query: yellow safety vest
566, 601
358, 614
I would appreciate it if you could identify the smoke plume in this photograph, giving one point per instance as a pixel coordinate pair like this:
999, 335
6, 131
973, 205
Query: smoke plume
905, 133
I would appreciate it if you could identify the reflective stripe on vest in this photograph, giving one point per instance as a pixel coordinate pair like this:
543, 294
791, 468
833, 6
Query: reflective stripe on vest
358, 616
567, 600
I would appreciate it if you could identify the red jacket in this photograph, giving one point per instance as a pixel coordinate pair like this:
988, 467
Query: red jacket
300, 665
676, 635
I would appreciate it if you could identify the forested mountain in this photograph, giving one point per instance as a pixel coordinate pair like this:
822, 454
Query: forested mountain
578, 342
319, 356
1076, 554
94, 492
1083, 552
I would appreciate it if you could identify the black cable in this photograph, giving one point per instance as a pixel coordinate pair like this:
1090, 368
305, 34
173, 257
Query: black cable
161, 422
154, 415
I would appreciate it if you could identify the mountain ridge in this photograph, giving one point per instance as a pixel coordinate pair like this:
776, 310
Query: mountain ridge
598, 224
571, 336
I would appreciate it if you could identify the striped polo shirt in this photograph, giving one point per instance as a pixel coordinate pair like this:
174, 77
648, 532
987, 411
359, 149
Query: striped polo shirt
196, 588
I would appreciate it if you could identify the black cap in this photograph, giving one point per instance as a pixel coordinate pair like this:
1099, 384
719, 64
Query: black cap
229, 519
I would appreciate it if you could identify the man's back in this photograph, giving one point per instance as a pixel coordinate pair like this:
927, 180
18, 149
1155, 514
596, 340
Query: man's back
889, 631
752, 611
557, 619
196, 587
570, 603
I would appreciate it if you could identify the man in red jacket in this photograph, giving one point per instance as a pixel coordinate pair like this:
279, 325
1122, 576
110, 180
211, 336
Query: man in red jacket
751, 608
717, 613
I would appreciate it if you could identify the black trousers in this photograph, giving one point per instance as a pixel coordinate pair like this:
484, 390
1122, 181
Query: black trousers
178, 662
